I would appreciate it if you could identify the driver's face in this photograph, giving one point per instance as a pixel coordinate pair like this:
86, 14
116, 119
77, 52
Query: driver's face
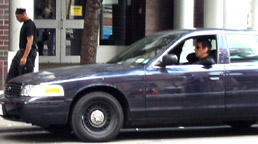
200, 51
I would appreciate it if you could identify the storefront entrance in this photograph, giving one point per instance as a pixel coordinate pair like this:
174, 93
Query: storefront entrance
60, 26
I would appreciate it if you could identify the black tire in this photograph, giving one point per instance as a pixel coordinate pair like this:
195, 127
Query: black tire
59, 129
241, 124
97, 117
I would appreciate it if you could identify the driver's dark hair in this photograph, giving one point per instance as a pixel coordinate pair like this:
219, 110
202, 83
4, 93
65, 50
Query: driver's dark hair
205, 43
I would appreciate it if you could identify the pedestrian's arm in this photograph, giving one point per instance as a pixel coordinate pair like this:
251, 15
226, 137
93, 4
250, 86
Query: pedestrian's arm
27, 50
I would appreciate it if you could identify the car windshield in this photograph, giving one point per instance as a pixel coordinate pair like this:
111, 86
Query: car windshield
144, 50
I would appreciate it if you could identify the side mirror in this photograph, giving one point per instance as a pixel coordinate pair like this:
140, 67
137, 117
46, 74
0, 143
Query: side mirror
170, 59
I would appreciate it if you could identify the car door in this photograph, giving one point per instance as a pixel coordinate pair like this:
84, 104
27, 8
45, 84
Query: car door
242, 75
185, 92
182, 93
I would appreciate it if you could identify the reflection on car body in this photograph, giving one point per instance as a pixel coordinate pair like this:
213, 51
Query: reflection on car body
151, 83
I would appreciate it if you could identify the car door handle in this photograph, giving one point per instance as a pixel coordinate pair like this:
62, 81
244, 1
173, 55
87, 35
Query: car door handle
216, 74
214, 78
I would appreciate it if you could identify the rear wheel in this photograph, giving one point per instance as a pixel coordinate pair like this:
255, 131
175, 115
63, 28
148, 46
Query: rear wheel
97, 116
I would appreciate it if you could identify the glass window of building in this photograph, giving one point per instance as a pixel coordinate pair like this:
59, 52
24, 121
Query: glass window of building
113, 22
75, 9
45, 9
46, 42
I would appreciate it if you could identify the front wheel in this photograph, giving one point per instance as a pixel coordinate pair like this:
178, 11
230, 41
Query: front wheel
97, 116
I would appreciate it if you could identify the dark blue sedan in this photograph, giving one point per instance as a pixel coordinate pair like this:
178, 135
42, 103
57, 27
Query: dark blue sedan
155, 82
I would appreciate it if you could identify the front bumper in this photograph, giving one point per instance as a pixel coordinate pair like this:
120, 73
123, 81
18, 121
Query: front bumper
38, 111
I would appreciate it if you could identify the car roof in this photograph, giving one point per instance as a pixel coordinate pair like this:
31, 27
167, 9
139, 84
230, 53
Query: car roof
187, 31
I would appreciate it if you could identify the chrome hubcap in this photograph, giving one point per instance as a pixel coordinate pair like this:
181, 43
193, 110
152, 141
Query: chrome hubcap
97, 117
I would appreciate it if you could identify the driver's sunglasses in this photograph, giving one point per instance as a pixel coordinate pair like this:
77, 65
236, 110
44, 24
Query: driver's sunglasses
197, 47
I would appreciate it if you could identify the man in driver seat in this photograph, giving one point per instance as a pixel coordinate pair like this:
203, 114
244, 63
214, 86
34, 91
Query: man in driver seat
202, 50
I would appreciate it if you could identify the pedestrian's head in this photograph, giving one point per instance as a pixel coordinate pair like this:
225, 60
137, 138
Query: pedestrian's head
202, 48
20, 14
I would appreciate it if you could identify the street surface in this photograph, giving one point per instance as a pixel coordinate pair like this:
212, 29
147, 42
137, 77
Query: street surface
21, 133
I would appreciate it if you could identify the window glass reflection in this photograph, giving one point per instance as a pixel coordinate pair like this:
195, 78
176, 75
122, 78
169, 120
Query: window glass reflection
113, 22
243, 48
107, 32
75, 9
46, 42
45, 9
73, 41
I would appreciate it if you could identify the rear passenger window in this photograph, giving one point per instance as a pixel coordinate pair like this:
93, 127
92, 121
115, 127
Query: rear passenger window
243, 48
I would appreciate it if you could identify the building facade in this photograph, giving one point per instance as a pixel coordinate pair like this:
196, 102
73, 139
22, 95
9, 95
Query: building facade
60, 24
4, 39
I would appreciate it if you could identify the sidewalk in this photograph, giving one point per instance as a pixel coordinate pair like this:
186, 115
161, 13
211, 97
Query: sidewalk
7, 124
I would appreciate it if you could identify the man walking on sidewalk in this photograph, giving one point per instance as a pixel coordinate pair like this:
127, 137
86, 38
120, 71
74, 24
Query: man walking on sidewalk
24, 60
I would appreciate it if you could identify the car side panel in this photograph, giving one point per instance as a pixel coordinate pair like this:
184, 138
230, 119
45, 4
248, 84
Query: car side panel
185, 93
132, 85
241, 90
128, 82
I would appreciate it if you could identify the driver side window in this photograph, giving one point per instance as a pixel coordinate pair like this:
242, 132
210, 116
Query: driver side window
186, 53
188, 48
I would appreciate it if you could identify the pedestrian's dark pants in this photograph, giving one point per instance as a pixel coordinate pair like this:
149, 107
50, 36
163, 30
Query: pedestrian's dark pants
17, 70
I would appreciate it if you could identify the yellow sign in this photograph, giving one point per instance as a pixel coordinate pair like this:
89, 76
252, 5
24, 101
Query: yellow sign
76, 10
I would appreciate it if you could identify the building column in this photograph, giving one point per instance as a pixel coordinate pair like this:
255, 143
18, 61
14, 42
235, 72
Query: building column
255, 15
213, 14
235, 14
15, 26
183, 14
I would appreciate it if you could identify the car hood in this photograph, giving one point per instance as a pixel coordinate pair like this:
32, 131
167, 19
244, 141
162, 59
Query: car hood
73, 72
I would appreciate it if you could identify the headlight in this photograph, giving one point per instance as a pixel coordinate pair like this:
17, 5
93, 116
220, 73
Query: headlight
42, 90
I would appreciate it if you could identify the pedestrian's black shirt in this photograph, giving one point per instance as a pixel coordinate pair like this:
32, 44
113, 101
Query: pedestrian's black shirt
28, 28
